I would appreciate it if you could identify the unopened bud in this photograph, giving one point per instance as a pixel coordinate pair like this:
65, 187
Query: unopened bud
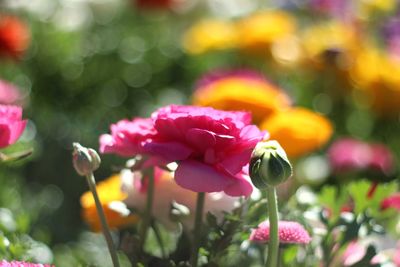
269, 165
85, 160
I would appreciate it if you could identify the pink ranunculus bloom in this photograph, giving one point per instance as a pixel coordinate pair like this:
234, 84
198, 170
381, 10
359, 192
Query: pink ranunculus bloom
289, 233
212, 147
349, 154
4, 263
127, 137
382, 159
9, 94
11, 124
392, 201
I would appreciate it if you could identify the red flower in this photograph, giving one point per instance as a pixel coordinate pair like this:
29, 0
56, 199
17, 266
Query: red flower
14, 37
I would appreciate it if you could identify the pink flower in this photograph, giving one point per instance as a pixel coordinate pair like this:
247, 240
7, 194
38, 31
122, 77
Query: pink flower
212, 147
127, 137
11, 124
354, 252
4, 263
9, 94
396, 256
392, 201
349, 154
289, 233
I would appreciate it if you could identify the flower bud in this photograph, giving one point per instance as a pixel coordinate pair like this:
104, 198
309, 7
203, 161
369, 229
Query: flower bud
269, 165
85, 160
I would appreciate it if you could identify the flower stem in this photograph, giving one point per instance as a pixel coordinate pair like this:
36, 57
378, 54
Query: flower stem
104, 226
147, 213
273, 246
197, 228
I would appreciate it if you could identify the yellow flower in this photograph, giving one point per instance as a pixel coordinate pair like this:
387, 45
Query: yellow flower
366, 8
262, 29
377, 75
209, 35
333, 42
238, 92
298, 130
109, 191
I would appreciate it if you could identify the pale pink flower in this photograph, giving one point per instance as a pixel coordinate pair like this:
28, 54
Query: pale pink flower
127, 137
212, 147
9, 94
11, 124
289, 233
4, 263
166, 191
354, 252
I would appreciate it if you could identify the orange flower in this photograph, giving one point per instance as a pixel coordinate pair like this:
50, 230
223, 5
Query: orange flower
242, 90
109, 191
14, 37
262, 29
298, 130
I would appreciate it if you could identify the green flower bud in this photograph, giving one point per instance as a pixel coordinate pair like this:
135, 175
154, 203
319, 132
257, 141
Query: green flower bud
269, 165
85, 160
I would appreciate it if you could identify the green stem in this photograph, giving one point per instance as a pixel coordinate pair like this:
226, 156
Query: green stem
197, 228
160, 241
147, 213
104, 226
273, 246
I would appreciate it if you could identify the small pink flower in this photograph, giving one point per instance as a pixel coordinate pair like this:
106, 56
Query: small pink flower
392, 201
127, 137
11, 124
289, 233
9, 94
349, 154
4, 263
212, 147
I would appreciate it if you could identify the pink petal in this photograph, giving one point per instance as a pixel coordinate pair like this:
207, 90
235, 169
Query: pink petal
4, 135
200, 138
17, 129
199, 177
241, 187
171, 151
